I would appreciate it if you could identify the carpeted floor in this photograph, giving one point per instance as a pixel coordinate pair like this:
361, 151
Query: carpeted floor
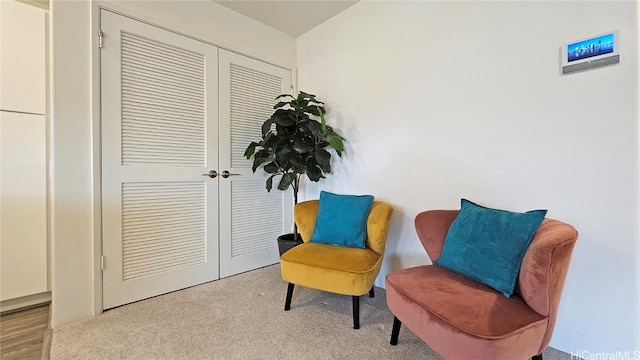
242, 317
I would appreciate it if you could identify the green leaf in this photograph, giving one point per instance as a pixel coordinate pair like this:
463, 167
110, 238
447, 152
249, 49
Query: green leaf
257, 162
302, 145
271, 168
250, 150
266, 126
335, 141
286, 181
269, 141
313, 109
285, 117
323, 156
283, 156
282, 131
317, 102
286, 121
302, 95
323, 122
316, 128
302, 105
314, 173
284, 95
280, 104
264, 153
270, 183
326, 168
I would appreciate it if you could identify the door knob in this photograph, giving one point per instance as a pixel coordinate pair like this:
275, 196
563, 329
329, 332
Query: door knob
212, 174
225, 174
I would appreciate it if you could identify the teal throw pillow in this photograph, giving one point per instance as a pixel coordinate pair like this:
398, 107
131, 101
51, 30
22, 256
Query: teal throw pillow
488, 245
342, 220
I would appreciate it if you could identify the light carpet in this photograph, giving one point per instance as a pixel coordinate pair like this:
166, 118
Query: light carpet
242, 317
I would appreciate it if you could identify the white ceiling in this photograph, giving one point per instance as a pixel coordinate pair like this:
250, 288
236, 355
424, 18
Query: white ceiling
291, 17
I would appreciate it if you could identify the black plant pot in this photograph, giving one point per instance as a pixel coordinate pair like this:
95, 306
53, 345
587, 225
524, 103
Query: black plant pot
286, 243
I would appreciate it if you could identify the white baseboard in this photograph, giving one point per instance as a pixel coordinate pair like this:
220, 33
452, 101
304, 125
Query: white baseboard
11, 305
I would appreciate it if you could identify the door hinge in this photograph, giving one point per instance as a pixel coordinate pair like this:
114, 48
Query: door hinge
101, 262
100, 35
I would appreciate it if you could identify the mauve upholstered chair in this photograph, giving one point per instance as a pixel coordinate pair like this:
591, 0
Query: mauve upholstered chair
463, 319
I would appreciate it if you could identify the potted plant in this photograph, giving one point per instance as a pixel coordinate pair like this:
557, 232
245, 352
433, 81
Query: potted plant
294, 143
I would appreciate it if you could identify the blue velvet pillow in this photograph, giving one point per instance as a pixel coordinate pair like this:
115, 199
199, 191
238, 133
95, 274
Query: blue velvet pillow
342, 220
488, 245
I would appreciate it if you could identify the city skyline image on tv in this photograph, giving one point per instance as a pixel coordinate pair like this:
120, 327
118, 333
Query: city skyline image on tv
591, 47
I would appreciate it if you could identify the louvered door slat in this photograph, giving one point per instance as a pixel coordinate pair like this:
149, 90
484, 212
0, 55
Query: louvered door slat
161, 47
134, 78
143, 259
158, 74
166, 102
139, 114
155, 141
143, 56
147, 209
142, 124
184, 96
148, 96
170, 239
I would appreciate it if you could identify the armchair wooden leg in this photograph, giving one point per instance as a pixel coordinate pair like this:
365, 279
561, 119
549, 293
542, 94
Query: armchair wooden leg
356, 312
395, 331
287, 303
371, 292
537, 357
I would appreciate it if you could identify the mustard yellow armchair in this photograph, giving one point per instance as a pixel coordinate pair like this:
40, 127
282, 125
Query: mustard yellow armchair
336, 269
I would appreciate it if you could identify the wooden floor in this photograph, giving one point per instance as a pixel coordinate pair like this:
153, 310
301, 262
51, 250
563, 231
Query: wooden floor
22, 332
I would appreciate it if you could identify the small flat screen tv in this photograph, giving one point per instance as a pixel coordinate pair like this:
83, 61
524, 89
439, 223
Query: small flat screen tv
585, 54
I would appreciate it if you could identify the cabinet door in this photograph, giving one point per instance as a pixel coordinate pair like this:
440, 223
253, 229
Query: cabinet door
251, 219
23, 205
22, 58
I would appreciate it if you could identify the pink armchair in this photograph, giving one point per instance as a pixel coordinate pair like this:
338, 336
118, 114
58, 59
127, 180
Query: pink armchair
463, 319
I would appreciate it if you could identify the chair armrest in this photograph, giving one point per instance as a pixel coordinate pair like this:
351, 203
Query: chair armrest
305, 214
378, 226
545, 265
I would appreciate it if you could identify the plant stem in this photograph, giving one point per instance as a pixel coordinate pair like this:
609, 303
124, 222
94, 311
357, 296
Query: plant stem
296, 187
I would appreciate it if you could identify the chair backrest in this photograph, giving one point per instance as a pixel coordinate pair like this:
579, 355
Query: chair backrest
544, 266
378, 222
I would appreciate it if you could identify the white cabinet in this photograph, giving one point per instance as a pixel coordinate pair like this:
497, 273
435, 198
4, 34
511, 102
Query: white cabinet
22, 69
23, 154
23, 236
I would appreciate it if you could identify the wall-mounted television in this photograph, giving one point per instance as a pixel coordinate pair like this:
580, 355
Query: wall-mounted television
593, 52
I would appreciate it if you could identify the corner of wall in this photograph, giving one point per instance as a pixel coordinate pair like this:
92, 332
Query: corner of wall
637, 116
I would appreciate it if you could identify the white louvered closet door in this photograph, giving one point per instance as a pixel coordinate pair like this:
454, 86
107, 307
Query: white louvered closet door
251, 219
159, 135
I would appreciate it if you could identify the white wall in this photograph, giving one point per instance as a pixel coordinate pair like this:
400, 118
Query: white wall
443, 100
75, 125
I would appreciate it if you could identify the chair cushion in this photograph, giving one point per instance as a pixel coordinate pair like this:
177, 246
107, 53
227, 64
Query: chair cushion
342, 220
488, 244
462, 303
341, 270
